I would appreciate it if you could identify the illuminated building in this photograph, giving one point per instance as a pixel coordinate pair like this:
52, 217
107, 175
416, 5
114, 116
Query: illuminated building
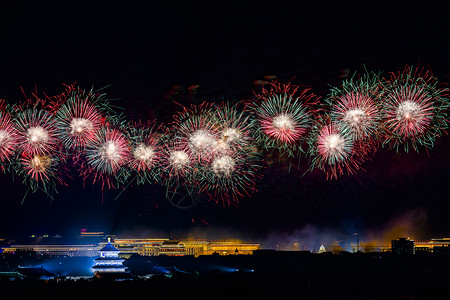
156, 247
89, 234
143, 247
441, 245
109, 261
231, 247
54, 250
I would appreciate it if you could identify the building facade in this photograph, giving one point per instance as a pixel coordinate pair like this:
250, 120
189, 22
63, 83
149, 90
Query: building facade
143, 247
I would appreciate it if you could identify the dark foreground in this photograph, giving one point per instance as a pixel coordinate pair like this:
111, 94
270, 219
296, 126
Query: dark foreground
266, 275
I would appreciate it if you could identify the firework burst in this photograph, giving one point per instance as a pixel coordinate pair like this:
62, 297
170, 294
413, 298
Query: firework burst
356, 107
230, 176
234, 128
413, 110
195, 132
36, 132
77, 121
107, 156
40, 172
332, 149
283, 117
146, 152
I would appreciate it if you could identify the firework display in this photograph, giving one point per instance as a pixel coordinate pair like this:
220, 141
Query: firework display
217, 150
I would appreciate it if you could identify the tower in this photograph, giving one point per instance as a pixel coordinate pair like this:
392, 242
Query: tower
109, 261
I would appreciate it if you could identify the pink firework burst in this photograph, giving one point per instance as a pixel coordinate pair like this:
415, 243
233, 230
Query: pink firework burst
8, 137
107, 155
37, 133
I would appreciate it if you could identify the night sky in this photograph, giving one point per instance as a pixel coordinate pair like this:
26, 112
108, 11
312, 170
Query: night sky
142, 51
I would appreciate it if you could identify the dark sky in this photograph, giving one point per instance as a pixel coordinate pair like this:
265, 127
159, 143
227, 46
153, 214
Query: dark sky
145, 49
